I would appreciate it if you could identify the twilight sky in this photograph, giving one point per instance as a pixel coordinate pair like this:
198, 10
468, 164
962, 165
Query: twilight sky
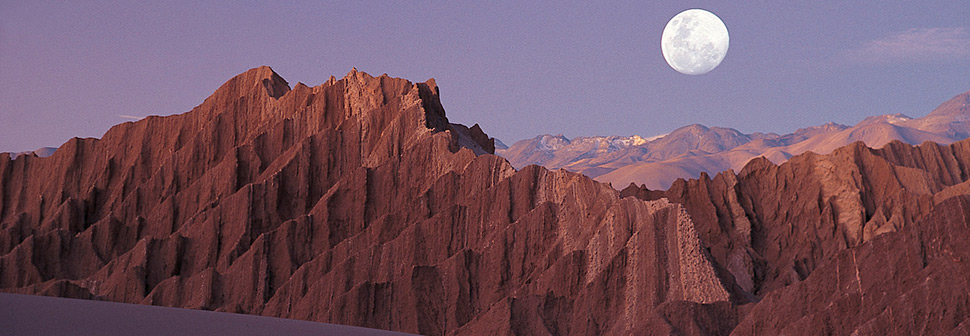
75, 68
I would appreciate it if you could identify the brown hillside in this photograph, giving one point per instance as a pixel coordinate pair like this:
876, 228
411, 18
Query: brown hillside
353, 202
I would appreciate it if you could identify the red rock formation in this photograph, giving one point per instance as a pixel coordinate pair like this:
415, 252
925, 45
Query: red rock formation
353, 202
357, 202
911, 282
780, 231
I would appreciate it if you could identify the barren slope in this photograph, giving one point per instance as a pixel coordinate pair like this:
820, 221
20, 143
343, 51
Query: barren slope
353, 202
356, 202
690, 150
838, 243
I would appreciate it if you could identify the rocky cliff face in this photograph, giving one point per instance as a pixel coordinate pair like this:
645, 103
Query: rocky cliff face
357, 202
353, 202
866, 231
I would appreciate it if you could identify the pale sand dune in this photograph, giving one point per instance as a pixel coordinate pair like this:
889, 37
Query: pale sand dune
43, 315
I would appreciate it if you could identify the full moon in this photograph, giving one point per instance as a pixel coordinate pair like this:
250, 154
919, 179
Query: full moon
694, 42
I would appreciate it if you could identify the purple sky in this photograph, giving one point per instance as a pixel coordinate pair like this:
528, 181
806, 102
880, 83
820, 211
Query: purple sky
73, 68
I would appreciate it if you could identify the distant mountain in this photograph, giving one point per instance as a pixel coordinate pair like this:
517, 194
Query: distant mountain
686, 152
499, 144
557, 151
40, 152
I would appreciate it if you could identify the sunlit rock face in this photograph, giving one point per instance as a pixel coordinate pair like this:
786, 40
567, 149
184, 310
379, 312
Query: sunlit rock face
353, 202
357, 202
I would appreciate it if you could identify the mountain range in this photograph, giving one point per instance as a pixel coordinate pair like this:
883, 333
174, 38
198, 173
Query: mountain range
41, 152
688, 151
357, 202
